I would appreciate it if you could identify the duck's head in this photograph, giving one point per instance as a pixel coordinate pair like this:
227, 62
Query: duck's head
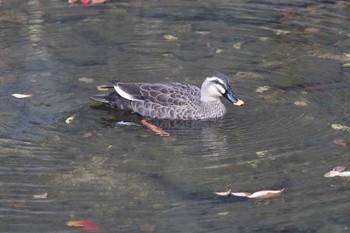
215, 86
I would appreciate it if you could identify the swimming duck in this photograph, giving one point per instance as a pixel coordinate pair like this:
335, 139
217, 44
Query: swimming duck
174, 101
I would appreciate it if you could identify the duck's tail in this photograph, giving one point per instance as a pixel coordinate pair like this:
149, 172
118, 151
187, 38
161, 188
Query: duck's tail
113, 99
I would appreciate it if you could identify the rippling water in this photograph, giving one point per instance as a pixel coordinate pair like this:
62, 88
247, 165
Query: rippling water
126, 178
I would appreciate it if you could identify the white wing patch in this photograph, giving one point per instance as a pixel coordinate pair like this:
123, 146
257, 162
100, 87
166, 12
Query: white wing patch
124, 94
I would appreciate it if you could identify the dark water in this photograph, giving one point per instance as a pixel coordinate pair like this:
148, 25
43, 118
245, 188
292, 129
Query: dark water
124, 177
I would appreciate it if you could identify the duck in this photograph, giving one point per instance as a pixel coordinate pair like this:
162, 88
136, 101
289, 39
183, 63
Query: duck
172, 100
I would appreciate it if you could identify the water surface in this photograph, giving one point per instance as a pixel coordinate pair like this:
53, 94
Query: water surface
124, 177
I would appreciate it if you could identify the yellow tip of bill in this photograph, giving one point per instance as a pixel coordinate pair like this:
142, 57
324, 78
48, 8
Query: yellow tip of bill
239, 103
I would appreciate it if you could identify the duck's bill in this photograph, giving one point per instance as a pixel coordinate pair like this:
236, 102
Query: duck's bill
233, 99
239, 103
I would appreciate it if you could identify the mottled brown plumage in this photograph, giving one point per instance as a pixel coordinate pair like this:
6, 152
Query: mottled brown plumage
172, 100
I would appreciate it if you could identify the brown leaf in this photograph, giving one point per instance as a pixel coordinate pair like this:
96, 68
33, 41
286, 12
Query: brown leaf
223, 194
263, 194
311, 30
147, 227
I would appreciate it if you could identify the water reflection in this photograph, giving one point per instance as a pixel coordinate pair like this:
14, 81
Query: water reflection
96, 169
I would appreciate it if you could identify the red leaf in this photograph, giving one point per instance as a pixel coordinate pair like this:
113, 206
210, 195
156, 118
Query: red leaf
83, 224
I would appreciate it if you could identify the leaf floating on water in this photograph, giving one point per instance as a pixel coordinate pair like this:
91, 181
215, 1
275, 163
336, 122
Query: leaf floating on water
223, 194
147, 227
169, 37
83, 224
301, 103
21, 96
40, 196
86, 80
340, 127
340, 142
262, 89
263, 194
69, 119
338, 171
102, 88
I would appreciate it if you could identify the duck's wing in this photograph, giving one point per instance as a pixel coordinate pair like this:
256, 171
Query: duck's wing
160, 93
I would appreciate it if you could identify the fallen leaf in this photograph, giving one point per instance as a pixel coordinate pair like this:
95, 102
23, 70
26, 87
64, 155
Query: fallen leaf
301, 103
69, 119
263, 153
86, 80
311, 30
340, 127
88, 135
263, 194
40, 196
340, 142
169, 37
83, 224
338, 171
346, 65
264, 38
147, 227
21, 96
102, 88
218, 51
238, 45
223, 194
262, 89
98, 1
155, 129
223, 213
281, 32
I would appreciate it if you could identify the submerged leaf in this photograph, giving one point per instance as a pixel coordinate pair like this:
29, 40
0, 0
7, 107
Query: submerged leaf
262, 89
169, 37
238, 45
301, 103
86, 80
155, 129
83, 224
147, 227
40, 196
218, 51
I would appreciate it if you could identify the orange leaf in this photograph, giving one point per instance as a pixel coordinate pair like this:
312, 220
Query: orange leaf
83, 224
155, 129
